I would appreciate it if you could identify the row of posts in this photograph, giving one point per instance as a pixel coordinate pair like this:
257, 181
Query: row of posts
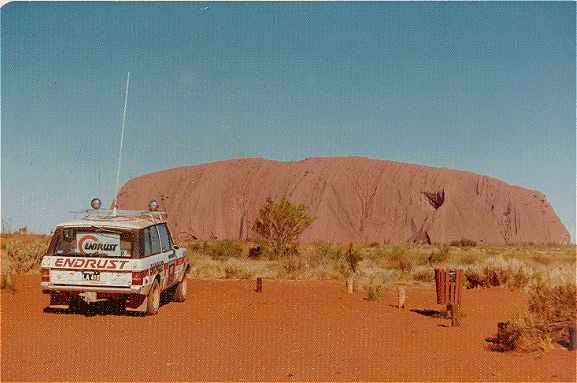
448, 285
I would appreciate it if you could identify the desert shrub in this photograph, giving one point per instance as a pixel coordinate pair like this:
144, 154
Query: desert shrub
6, 281
375, 292
399, 259
292, 267
520, 334
24, 252
470, 258
223, 249
541, 259
205, 267
329, 251
550, 304
463, 243
496, 277
424, 276
234, 271
314, 260
519, 278
440, 255
280, 223
488, 276
194, 246
405, 265
550, 310
473, 279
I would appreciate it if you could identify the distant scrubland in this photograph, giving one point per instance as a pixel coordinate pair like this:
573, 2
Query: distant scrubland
484, 266
512, 266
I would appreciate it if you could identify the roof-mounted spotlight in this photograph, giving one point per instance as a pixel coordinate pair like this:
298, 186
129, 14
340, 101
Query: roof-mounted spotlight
95, 203
153, 205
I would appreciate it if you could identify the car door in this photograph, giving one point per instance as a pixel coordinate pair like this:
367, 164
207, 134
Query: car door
169, 254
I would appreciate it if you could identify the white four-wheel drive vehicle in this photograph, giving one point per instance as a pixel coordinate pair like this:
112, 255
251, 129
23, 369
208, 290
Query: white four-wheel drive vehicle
128, 256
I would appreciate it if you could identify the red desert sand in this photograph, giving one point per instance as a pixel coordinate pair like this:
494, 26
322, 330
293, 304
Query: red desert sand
291, 331
353, 199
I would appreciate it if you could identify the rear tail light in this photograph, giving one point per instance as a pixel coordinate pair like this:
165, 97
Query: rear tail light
138, 277
45, 274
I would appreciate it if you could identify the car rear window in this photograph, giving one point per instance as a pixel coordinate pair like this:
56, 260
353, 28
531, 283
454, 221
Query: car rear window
93, 242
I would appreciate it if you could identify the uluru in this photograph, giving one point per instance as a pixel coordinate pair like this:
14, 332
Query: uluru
352, 199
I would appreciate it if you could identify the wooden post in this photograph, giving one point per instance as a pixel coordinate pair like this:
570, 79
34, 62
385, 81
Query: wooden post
455, 315
401, 297
259, 285
350, 284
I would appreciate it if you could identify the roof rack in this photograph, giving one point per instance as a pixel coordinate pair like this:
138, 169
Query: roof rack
123, 215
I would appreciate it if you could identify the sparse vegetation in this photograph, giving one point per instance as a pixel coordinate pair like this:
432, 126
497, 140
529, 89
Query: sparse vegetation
426, 275
399, 259
225, 249
485, 266
236, 271
441, 255
21, 253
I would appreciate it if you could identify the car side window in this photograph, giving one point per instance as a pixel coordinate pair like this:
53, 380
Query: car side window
164, 237
146, 239
154, 240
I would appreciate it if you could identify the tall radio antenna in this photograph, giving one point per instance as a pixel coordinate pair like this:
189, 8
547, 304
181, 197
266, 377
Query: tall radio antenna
115, 203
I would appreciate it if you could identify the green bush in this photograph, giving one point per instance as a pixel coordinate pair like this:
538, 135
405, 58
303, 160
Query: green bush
280, 223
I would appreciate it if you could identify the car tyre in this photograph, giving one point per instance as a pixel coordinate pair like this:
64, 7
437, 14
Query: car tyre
180, 292
153, 300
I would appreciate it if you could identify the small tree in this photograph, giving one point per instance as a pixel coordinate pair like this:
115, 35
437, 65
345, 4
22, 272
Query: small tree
353, 258
280, 223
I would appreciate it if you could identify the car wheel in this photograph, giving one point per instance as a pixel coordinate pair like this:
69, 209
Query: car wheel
180, 292
153, 301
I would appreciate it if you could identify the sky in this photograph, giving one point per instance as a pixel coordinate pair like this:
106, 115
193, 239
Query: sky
484, 87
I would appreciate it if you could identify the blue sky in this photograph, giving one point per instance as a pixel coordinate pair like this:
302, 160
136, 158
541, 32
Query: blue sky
485, 87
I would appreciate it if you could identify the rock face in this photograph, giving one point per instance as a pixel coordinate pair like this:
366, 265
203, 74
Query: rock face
353, 199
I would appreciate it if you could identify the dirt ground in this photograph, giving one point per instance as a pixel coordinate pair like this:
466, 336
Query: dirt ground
293, 331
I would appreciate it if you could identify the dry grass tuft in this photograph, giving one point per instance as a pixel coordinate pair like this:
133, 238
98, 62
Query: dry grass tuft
551, 310
375, 292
